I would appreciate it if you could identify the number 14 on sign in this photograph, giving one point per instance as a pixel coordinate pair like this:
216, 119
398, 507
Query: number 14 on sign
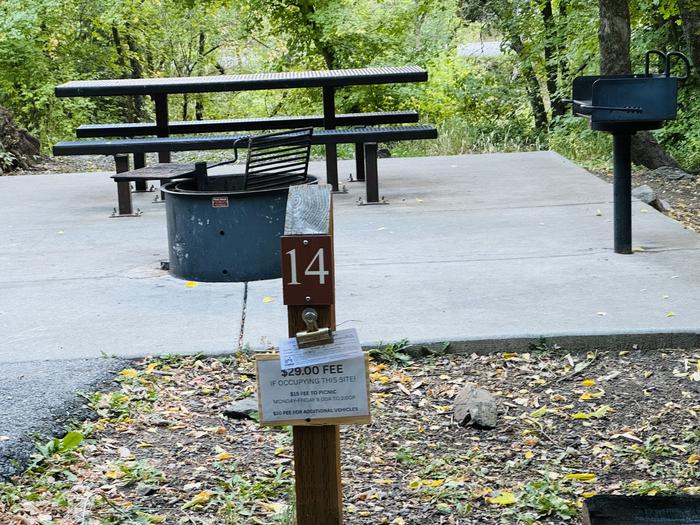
307, 270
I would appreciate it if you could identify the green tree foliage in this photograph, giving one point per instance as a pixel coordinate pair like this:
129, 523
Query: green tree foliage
513, 101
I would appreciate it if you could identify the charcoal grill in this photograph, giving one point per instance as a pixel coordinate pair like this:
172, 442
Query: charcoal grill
622, 105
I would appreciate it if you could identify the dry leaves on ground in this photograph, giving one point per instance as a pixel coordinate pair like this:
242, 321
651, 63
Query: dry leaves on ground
570, 426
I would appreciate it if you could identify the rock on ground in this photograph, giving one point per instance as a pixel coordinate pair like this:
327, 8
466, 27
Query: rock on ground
242, 409
670, 173
475, 406
644, 193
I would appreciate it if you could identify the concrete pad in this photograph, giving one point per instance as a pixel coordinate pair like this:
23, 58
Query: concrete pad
491, 251
75, 283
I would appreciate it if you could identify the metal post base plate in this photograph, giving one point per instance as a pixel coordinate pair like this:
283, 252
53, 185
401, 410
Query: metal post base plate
361, 202
116, 215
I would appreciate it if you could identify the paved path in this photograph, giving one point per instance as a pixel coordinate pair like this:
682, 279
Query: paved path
485, 251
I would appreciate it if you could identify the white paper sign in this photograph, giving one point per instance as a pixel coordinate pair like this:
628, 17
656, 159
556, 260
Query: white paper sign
330, 391
345, 345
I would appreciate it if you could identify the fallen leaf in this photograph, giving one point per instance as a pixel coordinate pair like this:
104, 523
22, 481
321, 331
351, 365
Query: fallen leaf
505, 498
274, 508
582, 477
200, 499
596, 414
539, 412
114, 474
191, 284
588, 382
694, 459
268, 300
671, 314
587, 396
129, 372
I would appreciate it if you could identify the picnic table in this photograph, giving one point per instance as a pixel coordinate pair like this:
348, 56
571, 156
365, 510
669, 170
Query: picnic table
329, 80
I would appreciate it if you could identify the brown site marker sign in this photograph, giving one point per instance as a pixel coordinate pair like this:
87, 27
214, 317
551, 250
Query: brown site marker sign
307, 270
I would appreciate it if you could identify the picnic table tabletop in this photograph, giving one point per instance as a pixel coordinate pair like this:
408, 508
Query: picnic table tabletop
246, 82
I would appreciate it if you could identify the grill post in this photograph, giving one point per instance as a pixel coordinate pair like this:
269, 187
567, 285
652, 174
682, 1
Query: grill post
622, 191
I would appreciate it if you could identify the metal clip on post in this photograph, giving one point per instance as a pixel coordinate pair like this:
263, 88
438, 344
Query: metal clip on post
313, 336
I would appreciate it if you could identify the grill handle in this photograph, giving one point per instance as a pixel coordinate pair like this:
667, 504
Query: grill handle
666, 62
589, 108
661, 55
683, 59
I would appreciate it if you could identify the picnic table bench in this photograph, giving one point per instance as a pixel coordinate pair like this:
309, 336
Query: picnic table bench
158, 89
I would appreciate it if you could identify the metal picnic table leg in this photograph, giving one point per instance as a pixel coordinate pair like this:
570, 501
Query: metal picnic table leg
372, 172
140, 162
331, 149
126, 207
360, 160
162, 119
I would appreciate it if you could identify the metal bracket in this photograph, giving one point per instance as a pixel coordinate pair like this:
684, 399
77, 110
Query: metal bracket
361, 202
116, 215
313, 336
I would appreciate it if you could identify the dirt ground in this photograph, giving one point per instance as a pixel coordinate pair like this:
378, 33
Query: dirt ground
682, 195
569, 426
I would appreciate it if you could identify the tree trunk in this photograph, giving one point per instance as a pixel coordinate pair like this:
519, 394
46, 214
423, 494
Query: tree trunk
18, 149
199, 104
690, 16
614, 43
532, 85
136, 72
328, 53
614, 37
550, 60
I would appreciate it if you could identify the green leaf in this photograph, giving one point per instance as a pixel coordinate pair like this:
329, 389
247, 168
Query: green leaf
70, 441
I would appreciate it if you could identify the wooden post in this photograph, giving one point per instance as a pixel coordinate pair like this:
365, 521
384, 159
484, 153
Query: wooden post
319, 499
